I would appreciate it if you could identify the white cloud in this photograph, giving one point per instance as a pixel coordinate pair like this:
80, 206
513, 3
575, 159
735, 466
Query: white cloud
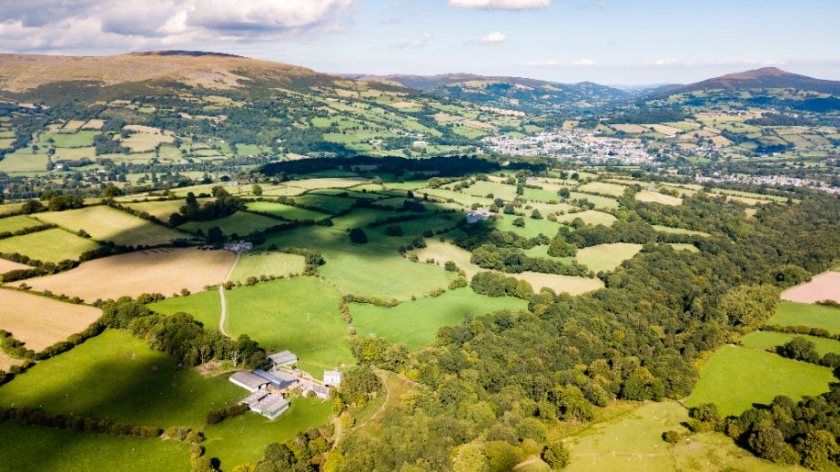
583, 63
407, 43
499, 4
495, 37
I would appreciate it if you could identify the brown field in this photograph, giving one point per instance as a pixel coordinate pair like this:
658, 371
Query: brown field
630, 128
7, 362
41, 322
8, 266
649, 196
165, 271
825, 286
669, 131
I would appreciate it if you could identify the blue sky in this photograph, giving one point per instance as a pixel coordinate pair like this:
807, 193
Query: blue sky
606, 41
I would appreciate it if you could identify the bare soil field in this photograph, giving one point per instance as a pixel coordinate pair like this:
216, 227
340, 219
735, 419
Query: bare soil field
165, 271
825, 286
560, 283
6, 362
630, 128
41, 322
8, 266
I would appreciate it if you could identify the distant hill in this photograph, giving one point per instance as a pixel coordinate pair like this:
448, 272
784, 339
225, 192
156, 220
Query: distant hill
518, 93
764, 78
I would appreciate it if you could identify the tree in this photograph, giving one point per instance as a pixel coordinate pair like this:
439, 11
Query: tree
555, 455
111, 191
520, 222
560, 248
801, 349
536, 215
450, 266
257, 190
358, 236
215, 235
769, 443
818, 449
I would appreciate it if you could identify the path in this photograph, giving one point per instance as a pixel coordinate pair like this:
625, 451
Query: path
222, 295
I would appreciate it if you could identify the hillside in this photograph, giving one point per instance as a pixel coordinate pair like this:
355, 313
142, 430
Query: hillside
764, 78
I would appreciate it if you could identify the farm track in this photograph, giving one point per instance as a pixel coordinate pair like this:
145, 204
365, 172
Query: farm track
222, 300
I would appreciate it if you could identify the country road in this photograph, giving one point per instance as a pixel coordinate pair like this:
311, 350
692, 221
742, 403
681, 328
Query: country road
222, 299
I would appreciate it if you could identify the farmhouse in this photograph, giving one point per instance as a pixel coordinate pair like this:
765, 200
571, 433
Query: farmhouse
332, 378
240, 246
476, 216
283, 358
249, 381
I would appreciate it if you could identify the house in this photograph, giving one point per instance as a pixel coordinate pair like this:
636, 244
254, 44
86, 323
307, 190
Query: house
240, 246
283, 358
271, 406
249, 381
319, 390
332, 378
278, 380
474, 217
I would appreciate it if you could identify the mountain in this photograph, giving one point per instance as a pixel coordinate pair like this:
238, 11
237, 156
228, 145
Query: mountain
523, 94
764, 78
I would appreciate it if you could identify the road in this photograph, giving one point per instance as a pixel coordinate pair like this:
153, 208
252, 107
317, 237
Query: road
222, 299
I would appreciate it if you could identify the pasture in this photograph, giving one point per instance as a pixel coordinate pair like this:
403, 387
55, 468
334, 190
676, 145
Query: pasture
165, 271
161, 210
41, 322
242, 439
734, 378
240, 223
287, 212
560, 283
670, 230
606, 257
825, 286
52, 245
441, 252
802, 314
205, 307
36, 448
104, 223
649, 196
69, 140
326, 203
115, 376
13, 224
23, 160
764, 340
603, 188
255, 264
416, 323
531, 229
590, 217
299, 314
6, 361
601, 203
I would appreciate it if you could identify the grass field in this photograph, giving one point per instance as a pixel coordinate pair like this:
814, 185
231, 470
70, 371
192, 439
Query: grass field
287, 212
161, 210
36, 449
441, 252
764, 340
599, 201
299, 314
326, 203
77, 139
104, 223
825, 286
203, 306
802, 314
267, 263
684, 247
17, 223
52, 245
606, 257
165, 271
6, 361
656, 197
240, 223
633, 441
115, 376
243, 438
560, 283
41, 322
670, 230
735, 378
531, 229
590, 217
603, 188
20, 161
416, 323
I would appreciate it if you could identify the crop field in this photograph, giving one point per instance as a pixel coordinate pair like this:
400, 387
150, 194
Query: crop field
299, 314
287, 212
6, 361
104, 223
243, 438
606, 257
240, 223
52, 245
36, 449
204, 307
633, 441
735, 377
802, 314
764, 340
825, 286
165, 271
41, 322
560, 283
17, 223
603, 188
255, 264
115, 376
649, 196
670, 230
416, 323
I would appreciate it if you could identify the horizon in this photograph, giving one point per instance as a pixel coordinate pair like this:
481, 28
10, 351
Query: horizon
631, 43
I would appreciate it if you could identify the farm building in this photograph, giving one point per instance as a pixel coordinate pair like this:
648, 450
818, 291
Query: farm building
278, 380
332, 378
249, 381
270, 405
283, 358
240, 246
476, 216
319, 390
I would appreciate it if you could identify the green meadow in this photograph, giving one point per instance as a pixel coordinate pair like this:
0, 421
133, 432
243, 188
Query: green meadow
287, 212
240, 223
17, 223
255, 264
52, 245
204, 307
804, 314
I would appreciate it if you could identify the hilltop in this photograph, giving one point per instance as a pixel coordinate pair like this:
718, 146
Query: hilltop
764, 78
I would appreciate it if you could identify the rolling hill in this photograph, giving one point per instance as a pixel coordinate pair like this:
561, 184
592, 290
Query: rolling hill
764, 78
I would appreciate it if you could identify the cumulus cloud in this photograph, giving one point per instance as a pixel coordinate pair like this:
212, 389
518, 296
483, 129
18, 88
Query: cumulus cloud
499, 4
495, 37
407, 43
57, 24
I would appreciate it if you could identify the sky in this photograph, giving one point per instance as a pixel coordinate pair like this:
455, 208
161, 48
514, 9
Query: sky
617, 42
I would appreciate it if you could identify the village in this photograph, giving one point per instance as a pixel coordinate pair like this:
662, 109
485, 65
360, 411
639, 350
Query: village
270, 391
573, 144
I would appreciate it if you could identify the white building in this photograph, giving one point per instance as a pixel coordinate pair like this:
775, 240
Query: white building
332, 378
476, 216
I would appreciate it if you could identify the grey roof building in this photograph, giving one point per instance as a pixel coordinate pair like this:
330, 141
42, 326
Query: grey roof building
248, 381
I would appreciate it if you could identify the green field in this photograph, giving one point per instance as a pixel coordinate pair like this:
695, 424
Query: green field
104, 223
115, 376
35, 449
287, 212
603, 188
590, 217
734, 378
416, 323
77, 139
161, 210
256, 264
204, 307
327, 203
599, 201
299, 314
16, 223
240, 223
531, 229
606, 257
803, 314
243, 438
764, 340
20, 161
52, 245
